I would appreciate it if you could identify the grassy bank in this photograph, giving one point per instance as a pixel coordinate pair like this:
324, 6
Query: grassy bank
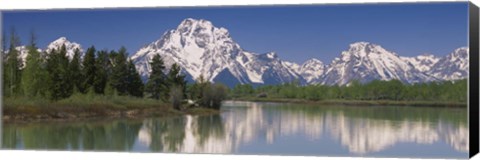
358, 102
21, 109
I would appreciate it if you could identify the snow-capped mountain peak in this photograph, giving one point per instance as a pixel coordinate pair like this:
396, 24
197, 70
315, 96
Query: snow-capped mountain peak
70, 46
362, 49
201, 48
311, 63
454, 66
56, 44
459, 54
311, 70
191, 25
196, 45
366, 61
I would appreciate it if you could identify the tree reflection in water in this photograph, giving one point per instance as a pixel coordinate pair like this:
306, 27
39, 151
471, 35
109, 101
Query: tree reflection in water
97, 136
360, 130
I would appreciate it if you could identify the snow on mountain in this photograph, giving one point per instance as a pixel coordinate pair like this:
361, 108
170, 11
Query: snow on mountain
22, 54
292, 65
311, 70
70, 46
57, 44
454, 66
267, 68
200, 48
423, 62
365, 61
203, 49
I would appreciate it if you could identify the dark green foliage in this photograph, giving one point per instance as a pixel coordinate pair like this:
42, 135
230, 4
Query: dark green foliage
207, 94
75, 70
119, 75
34, 74
102, 65
55, 77
213, 95
123, 76
12, 73
59, 77
89, 69
4, 43
134, 82
156, 84
375, 90
176, 79
176, 83
242, 90
196, 90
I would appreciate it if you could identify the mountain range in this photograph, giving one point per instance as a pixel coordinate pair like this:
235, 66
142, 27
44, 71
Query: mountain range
202, 49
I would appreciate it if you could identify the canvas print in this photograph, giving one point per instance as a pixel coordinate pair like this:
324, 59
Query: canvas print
353, 80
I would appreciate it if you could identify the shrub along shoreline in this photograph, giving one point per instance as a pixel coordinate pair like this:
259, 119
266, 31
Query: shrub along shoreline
373, 93
82, 107
356, 102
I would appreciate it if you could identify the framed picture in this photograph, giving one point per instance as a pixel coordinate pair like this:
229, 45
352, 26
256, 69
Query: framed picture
375, 80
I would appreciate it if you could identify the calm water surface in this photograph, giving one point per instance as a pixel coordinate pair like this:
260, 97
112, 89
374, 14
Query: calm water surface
265, 128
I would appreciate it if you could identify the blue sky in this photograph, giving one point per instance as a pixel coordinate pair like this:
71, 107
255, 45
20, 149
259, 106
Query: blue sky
296, 33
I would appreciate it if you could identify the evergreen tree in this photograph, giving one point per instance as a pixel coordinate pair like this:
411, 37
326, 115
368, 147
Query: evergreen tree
101, 74
60, 85
176, 79
66, 75
12, 72
4, 43
33, 75
75, 70
119, 76
156, 84
134, 81
89, 70
196, 90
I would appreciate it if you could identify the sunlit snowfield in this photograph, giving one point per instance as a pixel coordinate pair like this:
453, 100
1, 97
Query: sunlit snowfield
265, 128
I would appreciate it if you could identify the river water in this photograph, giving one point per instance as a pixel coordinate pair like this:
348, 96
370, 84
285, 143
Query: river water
260, 128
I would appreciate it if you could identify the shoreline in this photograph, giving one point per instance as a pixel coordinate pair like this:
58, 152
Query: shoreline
85, 107
13, 115
357, 102
94, 111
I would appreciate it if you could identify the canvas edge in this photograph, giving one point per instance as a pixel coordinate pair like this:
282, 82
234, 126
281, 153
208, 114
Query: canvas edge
473, 102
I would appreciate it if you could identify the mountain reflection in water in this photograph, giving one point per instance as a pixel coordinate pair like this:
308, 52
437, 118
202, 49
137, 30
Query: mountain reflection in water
251, 128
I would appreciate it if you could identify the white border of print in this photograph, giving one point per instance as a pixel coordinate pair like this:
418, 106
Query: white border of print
62, 4
71, 4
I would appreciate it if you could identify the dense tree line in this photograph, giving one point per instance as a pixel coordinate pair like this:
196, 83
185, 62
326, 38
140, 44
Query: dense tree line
56, 75
454, 91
